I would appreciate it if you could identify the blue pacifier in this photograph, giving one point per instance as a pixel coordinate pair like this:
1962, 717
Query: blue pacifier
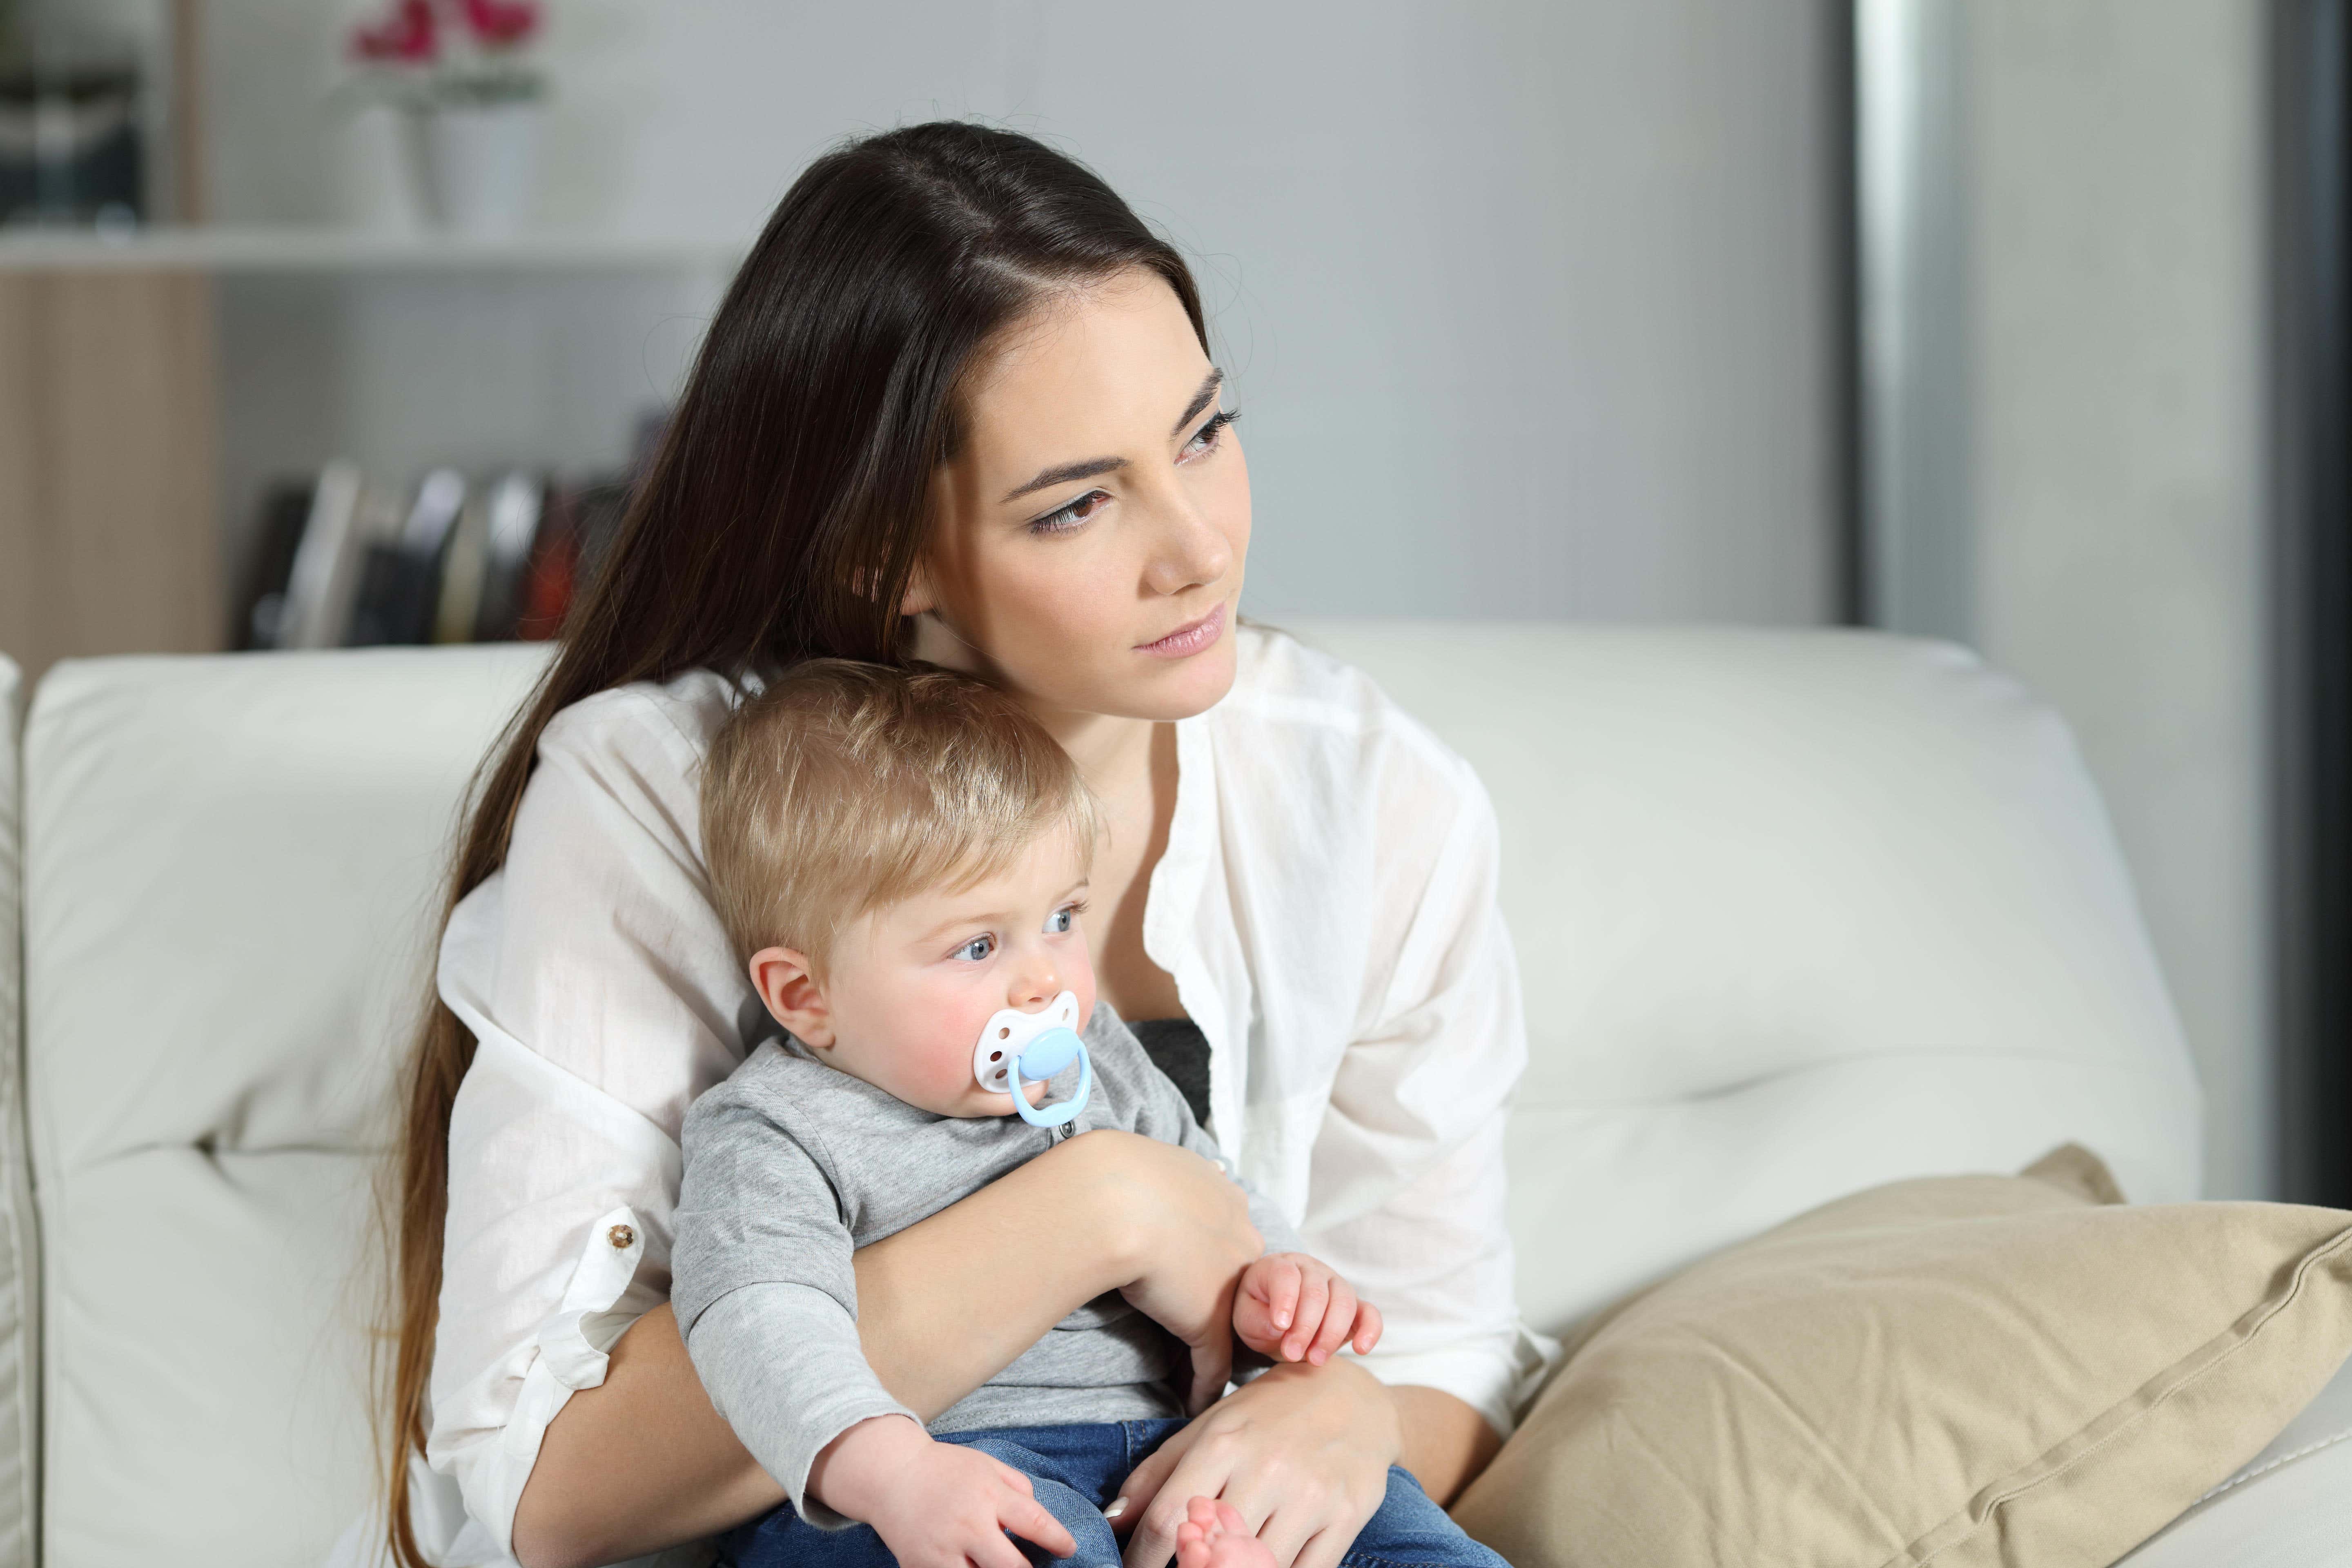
1030, 1047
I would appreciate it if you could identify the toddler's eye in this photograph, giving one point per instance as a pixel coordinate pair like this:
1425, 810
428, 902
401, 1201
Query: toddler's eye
978, 948
1062, 919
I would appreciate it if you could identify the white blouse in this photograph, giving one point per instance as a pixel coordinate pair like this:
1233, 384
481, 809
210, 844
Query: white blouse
1327, 906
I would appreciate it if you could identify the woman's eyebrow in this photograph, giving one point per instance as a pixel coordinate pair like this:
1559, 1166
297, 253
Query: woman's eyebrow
1201, 399
1048, 478
1094, 467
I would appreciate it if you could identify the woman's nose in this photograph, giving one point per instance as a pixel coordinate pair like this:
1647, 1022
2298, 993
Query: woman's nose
1192, 551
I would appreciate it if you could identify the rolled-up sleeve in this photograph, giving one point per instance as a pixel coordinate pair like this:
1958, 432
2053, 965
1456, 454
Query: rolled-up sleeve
603, 998
1408, 1169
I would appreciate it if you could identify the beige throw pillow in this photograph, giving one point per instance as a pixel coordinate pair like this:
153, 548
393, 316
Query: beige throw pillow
1979, 1370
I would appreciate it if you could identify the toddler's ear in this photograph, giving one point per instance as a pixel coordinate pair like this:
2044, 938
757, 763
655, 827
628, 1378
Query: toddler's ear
780, 975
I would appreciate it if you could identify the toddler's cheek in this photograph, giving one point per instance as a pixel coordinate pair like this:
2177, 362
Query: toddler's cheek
947, 1065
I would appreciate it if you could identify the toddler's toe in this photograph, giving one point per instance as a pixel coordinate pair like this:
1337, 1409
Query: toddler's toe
1224, 1536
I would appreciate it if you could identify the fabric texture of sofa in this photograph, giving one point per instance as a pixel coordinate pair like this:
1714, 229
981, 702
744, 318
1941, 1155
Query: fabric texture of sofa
1800, 913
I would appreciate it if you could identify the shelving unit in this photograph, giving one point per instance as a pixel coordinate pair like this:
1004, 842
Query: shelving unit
319, 249
150, 381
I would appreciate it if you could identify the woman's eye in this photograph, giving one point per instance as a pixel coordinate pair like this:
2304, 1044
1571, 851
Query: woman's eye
1071, 518
1205, 438
977, 949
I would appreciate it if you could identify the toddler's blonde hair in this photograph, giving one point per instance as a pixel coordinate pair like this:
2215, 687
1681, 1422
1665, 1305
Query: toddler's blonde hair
844, 788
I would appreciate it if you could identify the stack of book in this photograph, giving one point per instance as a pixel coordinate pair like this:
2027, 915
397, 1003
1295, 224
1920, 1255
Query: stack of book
340, 561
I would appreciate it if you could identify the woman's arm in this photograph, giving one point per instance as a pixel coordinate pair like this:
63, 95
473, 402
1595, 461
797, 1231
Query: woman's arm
639, 1462
1415, 1132
1446, 1442
643, 1461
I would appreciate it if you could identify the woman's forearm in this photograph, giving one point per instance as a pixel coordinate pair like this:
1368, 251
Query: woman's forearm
946, 1305
1446, 1443
644, 1461
640, 1462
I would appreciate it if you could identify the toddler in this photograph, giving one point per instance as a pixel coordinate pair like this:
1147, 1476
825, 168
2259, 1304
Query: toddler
900, 859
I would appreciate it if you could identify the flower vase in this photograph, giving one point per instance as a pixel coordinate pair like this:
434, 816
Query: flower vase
476, 166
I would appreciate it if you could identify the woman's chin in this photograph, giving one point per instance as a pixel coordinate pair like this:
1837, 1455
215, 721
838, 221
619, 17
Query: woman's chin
1136, 685
1186, 688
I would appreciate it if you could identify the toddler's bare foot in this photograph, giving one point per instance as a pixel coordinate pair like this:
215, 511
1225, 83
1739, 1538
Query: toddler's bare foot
1212, 1536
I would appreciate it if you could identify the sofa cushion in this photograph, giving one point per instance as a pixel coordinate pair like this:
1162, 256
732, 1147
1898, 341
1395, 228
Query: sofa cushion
1971, 1371
1798, 913
19, 1257
232, 865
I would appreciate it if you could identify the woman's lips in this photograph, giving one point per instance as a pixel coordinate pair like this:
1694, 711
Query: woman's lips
1187, 640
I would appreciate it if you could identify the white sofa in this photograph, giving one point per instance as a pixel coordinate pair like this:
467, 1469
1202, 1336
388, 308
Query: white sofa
1799, 912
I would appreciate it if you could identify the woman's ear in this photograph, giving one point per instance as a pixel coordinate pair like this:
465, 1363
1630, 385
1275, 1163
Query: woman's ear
793, 998
919, 599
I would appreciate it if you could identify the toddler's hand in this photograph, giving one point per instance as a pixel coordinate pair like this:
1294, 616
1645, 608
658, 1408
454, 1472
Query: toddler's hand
935, 1505
1295, 1308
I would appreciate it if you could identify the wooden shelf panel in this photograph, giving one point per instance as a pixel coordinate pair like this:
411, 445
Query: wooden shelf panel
322, 249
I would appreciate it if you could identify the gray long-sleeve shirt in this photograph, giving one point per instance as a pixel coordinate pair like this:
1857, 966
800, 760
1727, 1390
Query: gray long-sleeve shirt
792, 1166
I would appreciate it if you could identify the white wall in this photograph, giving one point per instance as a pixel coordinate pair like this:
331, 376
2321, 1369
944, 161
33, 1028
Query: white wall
2112, 494
2120, 487
1530, 306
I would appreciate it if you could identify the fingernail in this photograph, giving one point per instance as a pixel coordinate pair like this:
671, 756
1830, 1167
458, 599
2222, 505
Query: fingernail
1118, 1507
1282, 1320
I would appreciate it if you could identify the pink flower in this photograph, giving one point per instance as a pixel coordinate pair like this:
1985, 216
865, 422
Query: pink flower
500, 24
408, 34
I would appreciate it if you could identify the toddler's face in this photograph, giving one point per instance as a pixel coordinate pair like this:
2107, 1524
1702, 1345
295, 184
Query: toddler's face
910, 986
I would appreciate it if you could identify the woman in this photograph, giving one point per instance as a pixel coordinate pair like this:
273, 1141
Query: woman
958, 406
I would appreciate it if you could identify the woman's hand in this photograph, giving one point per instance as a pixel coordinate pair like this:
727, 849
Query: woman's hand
1302, 1453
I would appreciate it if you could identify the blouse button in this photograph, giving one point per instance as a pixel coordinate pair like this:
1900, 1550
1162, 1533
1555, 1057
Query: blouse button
622, 1237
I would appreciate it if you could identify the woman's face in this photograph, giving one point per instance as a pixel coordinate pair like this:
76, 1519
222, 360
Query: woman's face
1091, 532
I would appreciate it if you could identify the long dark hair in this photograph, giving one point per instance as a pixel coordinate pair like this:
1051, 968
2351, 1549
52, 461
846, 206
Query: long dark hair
779, 519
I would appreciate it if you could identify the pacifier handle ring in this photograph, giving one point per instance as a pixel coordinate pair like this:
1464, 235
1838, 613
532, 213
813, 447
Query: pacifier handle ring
1053, 1115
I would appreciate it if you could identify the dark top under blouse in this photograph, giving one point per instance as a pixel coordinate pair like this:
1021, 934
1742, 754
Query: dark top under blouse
1178, 1048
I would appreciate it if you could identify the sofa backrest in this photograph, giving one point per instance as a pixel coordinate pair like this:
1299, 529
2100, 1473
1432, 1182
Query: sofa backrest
1797, 912
228, 864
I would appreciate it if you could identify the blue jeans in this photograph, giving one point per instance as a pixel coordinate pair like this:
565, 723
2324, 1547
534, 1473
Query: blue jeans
1076, 1471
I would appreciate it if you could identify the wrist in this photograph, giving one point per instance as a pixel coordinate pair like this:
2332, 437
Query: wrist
1377, 1420
856, 1473
1450, 1441
1116, 1210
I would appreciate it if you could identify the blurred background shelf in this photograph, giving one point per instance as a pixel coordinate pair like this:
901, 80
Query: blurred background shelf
324, 248
159, 387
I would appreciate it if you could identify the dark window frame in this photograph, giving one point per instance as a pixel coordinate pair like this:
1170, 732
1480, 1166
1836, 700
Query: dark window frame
2310, 593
